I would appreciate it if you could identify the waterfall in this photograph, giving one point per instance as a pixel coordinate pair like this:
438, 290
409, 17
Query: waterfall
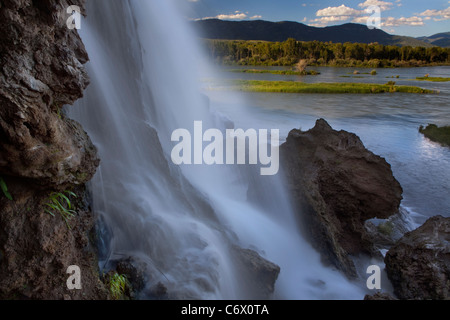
181, 220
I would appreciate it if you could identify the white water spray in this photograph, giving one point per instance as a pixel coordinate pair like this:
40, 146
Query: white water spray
180, 220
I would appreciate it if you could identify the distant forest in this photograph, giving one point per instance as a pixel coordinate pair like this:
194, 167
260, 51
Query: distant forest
317, 53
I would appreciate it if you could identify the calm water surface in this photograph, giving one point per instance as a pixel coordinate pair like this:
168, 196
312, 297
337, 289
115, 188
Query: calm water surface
387, 124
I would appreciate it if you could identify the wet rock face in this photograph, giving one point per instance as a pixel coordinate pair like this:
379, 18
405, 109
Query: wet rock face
418, 265
41, 69
337, 184
41, 151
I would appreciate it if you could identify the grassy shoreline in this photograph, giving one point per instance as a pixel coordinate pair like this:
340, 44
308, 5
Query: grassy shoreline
332, 88
433, 79
277, 72
437, 134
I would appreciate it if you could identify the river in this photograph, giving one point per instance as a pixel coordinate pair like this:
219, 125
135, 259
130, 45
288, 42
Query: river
386, 123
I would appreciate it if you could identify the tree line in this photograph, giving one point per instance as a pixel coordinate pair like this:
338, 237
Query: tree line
289, 52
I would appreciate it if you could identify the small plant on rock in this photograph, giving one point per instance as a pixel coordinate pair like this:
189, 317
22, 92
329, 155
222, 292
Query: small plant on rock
59, 203
386, 228
4, 188
117, 285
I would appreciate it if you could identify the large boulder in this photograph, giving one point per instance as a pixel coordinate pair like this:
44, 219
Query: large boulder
256, 272
337, 185
418, 265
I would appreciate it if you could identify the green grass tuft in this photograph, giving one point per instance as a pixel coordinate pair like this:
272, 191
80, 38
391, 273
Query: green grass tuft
59, 203
338, 88
4, 188
436, 134
433, 79
117, 285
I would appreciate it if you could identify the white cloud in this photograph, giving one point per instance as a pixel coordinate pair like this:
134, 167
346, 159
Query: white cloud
342, 13
395, 22
361, 20
323, 21
438, 15
337, 11
237, 15
384, 5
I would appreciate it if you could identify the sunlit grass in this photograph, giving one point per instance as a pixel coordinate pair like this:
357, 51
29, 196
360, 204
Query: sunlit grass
433, 79
300, 87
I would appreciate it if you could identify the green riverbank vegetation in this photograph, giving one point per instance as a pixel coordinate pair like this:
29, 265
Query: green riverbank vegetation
300, 87
316, 53
433, 79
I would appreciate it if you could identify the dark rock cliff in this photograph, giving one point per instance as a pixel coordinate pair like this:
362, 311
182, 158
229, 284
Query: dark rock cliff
41, 151
42, 70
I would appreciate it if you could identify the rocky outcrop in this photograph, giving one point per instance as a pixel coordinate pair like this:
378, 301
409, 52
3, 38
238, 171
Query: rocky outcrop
41, 151
337, 184
418, 265
256, 272
41, 70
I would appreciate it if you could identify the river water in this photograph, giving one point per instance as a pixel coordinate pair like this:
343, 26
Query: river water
387, 123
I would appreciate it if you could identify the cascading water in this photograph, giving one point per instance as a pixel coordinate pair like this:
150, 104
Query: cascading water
182, 221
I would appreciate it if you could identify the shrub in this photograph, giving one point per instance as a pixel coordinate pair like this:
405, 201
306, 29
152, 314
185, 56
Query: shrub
437, 134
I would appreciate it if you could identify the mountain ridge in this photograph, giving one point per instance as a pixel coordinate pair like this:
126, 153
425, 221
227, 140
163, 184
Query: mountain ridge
280, 31
441, 39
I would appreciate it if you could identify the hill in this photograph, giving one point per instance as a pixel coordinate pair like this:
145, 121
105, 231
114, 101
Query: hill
439, 39
281, 31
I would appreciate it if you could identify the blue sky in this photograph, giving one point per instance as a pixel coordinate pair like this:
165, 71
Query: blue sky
403, 17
